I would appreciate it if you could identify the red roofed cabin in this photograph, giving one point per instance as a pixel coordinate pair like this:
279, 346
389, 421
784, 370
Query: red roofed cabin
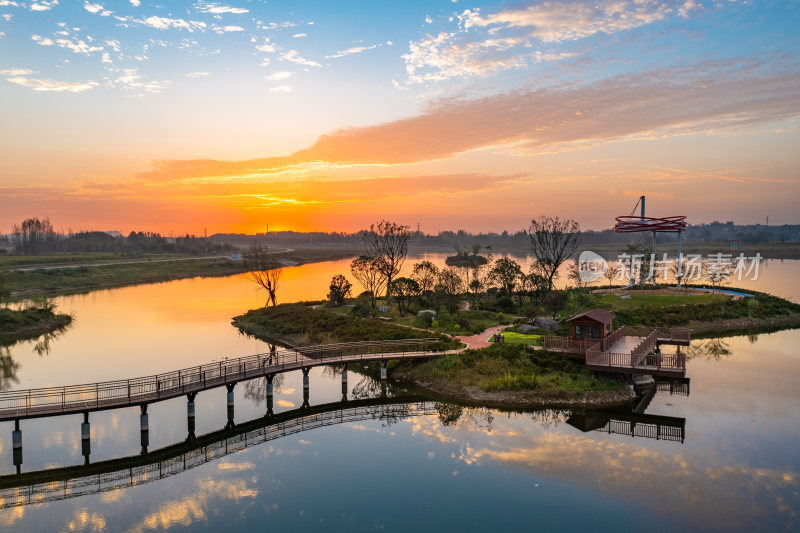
594, 324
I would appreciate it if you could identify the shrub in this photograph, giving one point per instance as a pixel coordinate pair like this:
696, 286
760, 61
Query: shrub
424, 320
435, 324
505, 303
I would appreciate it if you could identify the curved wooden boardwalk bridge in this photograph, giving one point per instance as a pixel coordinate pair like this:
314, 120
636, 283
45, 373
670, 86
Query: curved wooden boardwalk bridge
72, 399
73, 481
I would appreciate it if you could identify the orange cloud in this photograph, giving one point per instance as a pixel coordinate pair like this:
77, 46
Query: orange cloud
713, 97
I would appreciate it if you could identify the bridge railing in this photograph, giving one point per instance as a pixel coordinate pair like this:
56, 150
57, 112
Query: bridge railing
80, 485
170, 384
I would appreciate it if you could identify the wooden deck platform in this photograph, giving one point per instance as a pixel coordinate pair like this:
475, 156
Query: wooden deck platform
628, 351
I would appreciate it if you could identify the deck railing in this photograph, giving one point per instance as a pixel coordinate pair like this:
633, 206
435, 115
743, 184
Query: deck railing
643, 348
568, 345
108, 394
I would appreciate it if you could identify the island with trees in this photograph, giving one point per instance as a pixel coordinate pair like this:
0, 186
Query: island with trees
474, 291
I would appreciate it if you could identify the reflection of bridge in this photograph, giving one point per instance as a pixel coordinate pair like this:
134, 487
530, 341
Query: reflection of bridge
630, 423
635, 422
60, 483
17, 405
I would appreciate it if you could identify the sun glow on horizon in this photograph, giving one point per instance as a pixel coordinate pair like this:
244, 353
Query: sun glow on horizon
489, 116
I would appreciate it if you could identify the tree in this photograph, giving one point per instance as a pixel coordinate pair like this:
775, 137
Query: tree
339, 290
448, 288
387, 242
425, 273
467, 263
506, 273
403, 290
612, 271
366, 271
552, 241
33, 235
5, 291
574, 274
263, 271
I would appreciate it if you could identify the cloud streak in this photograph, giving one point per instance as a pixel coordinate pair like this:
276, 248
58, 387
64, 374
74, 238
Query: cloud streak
712, 97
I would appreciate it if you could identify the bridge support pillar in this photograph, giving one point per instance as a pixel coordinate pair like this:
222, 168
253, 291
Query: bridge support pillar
305, 387
190, 413
16, 439
229, 387
86, 434
344, 382
270, 393
383, 370
144, 428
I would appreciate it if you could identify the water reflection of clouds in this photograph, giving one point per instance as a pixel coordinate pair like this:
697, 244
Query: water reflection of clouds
83, 520
195, 507
11, 515
235, 466
708, 489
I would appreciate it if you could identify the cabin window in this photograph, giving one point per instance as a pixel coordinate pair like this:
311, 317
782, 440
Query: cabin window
580, 331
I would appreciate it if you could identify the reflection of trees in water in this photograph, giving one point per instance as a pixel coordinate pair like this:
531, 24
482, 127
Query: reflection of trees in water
8, 369
449, 413
481, 419
42, 342
752, 338
255, 390
367, 388
549, 418
708, 349
42, 346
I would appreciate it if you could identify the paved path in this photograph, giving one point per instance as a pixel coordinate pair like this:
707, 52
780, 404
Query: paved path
481, 340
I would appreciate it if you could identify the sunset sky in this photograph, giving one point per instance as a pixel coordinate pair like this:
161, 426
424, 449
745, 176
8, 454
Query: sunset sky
232, 116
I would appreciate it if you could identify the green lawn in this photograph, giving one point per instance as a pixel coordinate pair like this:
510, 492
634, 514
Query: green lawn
511, 337
509, 367
463, 323
637, 300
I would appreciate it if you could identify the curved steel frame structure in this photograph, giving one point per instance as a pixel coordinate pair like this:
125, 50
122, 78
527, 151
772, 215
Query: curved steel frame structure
643, 224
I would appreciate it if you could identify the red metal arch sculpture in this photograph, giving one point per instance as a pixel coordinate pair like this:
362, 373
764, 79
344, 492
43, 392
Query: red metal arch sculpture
638, 224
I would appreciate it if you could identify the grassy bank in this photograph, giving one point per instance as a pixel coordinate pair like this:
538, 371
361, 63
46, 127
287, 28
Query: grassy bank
463, 322
506, 367
30, 322
300, 325
503, 375
713, 309
81, 273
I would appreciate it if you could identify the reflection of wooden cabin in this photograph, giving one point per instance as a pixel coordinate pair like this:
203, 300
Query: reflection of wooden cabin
594, 324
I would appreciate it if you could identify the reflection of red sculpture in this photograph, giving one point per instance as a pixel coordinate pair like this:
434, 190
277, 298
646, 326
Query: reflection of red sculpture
634, 224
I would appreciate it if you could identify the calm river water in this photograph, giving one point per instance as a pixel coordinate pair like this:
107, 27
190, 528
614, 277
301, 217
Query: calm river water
406, 466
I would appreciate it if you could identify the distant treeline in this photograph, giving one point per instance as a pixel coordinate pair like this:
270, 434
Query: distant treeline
714, 232
37, 236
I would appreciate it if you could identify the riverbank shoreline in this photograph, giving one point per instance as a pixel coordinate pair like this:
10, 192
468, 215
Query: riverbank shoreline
519, 399
35, 322
729, 327
66, 280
